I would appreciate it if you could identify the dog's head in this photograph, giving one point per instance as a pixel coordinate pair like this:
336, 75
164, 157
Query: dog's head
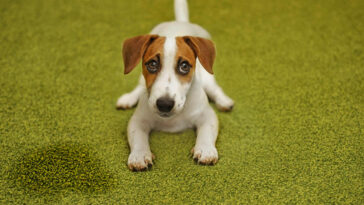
168, 67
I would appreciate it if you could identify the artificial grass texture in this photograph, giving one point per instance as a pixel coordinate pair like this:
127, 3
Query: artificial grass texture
61, 166
294, 69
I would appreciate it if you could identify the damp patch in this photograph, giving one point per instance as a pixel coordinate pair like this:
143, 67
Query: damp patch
66, 166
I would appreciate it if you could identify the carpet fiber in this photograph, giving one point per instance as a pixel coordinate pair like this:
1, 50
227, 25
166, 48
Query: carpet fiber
294, 68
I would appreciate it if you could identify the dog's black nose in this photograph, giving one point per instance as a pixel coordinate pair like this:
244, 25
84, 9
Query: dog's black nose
165, 104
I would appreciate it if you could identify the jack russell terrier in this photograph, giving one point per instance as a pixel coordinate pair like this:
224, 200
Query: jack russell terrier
177, 59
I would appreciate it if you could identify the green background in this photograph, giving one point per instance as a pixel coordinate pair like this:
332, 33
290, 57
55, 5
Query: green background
294, 68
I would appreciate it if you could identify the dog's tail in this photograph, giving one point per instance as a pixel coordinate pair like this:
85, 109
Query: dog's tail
181, 10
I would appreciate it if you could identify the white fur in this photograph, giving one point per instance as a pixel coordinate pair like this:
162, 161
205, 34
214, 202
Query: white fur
191, 110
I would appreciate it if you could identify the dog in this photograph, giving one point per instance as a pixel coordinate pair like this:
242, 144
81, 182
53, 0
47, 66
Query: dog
173, 91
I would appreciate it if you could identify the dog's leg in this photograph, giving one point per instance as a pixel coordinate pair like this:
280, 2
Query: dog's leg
207, 129
138, 136
129, 100
214, 91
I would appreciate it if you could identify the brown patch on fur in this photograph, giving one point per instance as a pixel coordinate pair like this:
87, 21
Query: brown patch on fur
185, 53
133, 50
155, 52
204, 49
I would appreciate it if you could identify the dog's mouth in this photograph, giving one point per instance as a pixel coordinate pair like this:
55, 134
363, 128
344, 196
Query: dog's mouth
165, 114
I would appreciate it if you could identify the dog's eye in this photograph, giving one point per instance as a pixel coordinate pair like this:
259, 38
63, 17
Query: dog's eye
152, 66
184, 68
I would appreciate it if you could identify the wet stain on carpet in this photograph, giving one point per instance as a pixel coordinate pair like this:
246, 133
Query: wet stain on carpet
70, 166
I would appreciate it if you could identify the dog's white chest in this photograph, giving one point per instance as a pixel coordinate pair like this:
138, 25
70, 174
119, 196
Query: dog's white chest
177, 124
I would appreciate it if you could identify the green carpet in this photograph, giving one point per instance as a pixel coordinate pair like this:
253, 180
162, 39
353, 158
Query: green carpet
294, 68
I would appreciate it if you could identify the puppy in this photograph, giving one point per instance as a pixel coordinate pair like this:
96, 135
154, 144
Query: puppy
177, 59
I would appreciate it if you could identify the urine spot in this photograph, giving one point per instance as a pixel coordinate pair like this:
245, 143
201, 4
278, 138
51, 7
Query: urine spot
66, 166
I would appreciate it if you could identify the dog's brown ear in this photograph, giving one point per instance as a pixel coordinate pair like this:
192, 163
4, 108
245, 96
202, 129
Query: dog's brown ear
133, 50
204, 50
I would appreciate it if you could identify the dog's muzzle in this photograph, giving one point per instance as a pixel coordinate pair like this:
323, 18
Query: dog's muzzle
165, 104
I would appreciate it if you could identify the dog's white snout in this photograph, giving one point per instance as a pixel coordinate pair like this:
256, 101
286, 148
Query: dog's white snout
165, 104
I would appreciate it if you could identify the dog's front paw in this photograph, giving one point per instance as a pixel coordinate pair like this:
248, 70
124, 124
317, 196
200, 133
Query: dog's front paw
206, 155
140, 160
224, 104
127, 101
